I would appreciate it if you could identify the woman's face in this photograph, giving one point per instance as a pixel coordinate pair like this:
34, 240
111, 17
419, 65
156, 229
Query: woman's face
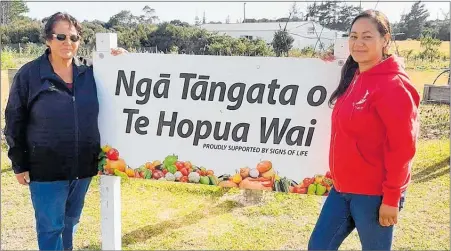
67, 48
366, 44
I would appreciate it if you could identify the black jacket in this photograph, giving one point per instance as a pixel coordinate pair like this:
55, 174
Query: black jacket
52, 132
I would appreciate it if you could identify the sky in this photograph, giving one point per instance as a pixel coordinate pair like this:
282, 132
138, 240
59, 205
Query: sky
214, 10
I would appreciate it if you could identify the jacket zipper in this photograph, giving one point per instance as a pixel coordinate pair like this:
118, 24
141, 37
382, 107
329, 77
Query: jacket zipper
335, 134
76, 129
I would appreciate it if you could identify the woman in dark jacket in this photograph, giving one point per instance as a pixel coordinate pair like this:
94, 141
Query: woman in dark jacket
52, 132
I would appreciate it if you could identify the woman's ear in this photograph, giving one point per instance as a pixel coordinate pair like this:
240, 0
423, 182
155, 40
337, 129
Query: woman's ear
387, 40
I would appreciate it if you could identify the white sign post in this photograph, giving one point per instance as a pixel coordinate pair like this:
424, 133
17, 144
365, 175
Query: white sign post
110, 186
219, 112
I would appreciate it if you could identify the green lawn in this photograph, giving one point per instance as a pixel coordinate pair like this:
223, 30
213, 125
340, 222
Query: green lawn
157, 215
184, 216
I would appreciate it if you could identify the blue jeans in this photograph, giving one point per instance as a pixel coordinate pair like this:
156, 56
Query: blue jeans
58, 206
342, 213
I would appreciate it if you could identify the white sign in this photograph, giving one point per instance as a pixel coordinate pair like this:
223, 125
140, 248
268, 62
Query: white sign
222, 113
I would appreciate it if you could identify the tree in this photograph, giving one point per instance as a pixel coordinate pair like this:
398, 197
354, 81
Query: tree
431, 47
149, 15
296, 13
333, 15
282, 42
124, 18
413, 22
11, 10
177, 22
89, 31
443, 30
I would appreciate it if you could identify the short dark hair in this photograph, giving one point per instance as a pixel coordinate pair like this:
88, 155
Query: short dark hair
60, 16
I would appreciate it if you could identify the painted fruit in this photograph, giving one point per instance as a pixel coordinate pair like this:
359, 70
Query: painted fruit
130, 172
149, 166
244, 172
237, 178
118, 164
106, 148
264, 166
204, 180
311, 189
107, 167
268, 174
112, 154
320, 189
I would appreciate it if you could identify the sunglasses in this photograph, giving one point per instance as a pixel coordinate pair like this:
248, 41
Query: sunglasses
62, 37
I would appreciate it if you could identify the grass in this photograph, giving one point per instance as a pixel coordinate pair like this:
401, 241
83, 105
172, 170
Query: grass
156, 215
183, 216
435, 121
159, 215
415, 46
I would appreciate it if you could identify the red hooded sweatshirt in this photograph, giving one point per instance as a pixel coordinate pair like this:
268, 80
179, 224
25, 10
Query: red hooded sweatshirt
374, 133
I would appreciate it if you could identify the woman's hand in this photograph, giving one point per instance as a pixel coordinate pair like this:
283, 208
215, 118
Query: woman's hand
388, 215
118, 51
23, 178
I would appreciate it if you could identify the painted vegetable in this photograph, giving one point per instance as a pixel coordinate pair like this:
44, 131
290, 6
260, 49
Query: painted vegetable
169, 177
172, 169
157, 174
147, 174
194, 177
254, 173
255, 184
179, 165
184, 171
178, 175
227, 183
213, 180
170, 160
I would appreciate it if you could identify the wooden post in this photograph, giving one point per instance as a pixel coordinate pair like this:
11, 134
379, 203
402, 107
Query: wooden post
110, 186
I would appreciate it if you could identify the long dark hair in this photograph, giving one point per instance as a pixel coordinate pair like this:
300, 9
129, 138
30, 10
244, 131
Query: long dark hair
351, 66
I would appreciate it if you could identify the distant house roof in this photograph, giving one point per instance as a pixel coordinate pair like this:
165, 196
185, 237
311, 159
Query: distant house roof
270, 26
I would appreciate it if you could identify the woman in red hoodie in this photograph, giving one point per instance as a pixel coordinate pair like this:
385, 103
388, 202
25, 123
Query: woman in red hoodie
373, 141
